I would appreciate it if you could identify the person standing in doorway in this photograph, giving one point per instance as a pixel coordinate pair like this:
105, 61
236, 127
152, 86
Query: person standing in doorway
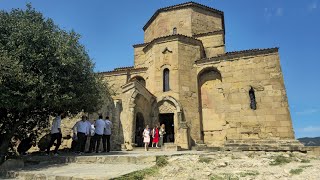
162, 132
99, 125
83, 129
106, 135
155, 136
146, 138
56, 133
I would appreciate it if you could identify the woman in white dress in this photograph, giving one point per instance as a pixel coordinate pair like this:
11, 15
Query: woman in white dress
146, 137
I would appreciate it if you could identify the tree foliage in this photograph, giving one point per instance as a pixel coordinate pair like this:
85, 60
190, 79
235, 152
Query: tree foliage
43, 70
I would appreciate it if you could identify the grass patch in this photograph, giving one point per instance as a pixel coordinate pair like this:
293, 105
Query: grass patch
305, 161
251, 155
204, 159
249, 173
161, 161
280, 160
296, 171
225, 176
217, 177
305, 166
235, 157
139, 175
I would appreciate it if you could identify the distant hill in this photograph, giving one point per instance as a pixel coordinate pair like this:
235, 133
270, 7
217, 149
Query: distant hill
307, 141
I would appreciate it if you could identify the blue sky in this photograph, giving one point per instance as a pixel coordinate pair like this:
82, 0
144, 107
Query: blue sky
110, 28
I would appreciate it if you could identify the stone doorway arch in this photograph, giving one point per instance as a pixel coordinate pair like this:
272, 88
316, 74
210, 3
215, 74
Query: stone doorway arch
169, 107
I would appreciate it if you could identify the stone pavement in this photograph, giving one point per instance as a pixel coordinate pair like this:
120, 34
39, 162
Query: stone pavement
88, 166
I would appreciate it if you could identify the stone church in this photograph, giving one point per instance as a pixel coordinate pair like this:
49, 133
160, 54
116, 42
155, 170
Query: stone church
184, 78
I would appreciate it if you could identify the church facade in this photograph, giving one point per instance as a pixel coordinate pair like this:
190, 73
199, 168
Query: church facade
183, 77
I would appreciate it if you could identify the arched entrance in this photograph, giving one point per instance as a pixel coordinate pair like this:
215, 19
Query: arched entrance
168, 120
139, 129
169, 109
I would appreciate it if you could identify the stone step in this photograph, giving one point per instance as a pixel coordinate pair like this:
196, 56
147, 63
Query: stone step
264, 145
77, 171
90, 159
150, 149
171, 147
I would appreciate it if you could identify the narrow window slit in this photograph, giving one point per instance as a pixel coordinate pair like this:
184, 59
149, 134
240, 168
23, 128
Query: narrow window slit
253, 103
174, 31
166, 86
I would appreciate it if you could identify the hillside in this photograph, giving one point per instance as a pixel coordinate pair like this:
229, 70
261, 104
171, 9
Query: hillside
307, 141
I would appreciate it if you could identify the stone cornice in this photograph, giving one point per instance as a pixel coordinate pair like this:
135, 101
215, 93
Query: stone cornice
180, 6
140, 45
238, 54
208, 33
124, 70
179, 37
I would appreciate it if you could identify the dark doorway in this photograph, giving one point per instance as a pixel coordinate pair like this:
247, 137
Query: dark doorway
167, 120
139, 129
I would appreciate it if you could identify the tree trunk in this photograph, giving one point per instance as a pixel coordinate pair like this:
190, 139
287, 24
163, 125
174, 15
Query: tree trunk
4, 148
6, 140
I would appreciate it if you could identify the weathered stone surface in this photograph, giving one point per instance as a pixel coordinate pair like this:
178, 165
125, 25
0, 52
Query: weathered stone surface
208, 93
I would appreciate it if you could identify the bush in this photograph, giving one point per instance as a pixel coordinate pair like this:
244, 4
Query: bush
205, 159
249, 173
296, 171
280, 160
305, 161
161, 161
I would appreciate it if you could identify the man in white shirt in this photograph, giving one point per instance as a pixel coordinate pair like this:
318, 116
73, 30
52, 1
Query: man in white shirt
81, 131
56, 133
106, 135
99, 129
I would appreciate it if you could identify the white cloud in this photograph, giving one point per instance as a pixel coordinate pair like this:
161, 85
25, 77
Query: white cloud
313, 6
273, 12
279, 12
308, 111
309, 129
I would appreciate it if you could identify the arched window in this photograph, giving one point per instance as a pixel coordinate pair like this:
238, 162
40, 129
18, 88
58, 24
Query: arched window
253, 103
174, 30
166, 86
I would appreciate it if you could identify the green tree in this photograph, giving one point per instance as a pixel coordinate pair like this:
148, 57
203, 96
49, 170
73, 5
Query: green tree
43, 70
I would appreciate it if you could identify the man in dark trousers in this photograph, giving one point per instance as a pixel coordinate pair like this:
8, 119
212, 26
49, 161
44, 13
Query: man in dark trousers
56, 133
99, 129
83, 129
106, 135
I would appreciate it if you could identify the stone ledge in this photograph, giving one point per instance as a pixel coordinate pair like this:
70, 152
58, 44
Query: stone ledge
264, 145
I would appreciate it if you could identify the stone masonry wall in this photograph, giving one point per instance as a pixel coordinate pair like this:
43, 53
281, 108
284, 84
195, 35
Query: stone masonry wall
213, 44
205, 21
139, 57
158, 61
165, 22
271, 119
188, 87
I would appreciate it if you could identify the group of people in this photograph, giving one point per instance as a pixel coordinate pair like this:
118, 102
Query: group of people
156, 134
100, 129
97, 131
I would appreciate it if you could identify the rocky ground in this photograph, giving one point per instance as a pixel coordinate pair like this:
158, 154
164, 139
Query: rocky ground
241, 165
167, 165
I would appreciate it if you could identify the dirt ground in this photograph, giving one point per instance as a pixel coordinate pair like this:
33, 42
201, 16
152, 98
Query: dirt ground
241, 165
